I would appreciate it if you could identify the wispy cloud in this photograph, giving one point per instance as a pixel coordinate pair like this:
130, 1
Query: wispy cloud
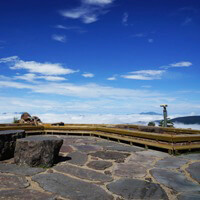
187, 21
9, 59
146, 86
36, 67
82, 91
59, 38
113, 78
150, 40
139, 35
144, 75
88, 75
89, 10
61, 27
177, 65
125, 19
98, 2
32, 77
71, 28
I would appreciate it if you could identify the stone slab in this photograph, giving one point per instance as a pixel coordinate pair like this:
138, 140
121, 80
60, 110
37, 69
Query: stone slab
99, 164
191, 156
189, 196
66, 149
77, 158
194, 171
83, 173
174, 180
111, 155
19, 170
171, 163
144, 160
153, 153
118, 147
71, 188
88, 148
13, 181
24, 194
137, 189
133, 170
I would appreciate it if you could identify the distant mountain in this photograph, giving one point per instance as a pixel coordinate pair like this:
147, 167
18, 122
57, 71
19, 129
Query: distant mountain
187, 120
149, 113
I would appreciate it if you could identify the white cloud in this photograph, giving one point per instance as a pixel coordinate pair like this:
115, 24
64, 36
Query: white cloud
37, 67
112, 78
32, 77
177, 65
89, 10
88, 75
125, 19
181, 64
144, 75
59, 38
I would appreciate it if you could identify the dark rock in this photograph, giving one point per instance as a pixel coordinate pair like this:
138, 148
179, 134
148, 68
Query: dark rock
171, 163
194, 170
137, 189
189, 196
111, 155
99, 165
39, 151
58, 124
8, 141
133, 170
12, 181
174, 180
71, 188
24, 194
83, 173
77, 158
19, 170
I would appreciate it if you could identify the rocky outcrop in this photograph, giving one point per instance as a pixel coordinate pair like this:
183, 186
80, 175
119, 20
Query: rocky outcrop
8, 141
26, 118
41, 151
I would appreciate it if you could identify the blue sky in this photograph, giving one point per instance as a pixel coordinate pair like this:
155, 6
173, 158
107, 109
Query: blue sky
99, 56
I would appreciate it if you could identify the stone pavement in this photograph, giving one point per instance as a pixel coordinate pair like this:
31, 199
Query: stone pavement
91, 168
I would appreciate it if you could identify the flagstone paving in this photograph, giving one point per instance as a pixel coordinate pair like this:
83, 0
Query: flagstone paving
92, 168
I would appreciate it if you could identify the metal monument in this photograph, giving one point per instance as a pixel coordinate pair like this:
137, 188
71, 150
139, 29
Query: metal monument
164, 114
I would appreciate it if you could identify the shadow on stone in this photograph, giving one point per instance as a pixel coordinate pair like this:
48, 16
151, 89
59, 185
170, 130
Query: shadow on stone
61, 159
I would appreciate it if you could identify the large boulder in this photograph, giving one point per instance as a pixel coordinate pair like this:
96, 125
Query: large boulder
8, 141
41, 151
